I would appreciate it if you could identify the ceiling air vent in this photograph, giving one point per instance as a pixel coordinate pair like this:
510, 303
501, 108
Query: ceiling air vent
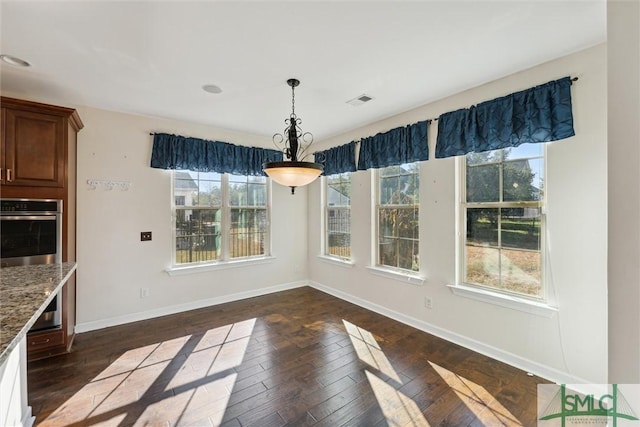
359, 100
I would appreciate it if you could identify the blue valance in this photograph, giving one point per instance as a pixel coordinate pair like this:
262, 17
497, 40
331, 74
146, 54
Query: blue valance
338, 159
400, 145
540, 114
179, 152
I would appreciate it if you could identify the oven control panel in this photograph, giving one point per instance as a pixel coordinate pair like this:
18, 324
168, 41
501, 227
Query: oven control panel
30, 206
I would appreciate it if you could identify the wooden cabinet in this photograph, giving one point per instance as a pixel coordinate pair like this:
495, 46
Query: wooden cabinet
38, 160
34, 149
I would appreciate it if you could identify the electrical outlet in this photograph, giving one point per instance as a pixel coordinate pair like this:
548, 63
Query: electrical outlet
145, 236
428, 302
144, 292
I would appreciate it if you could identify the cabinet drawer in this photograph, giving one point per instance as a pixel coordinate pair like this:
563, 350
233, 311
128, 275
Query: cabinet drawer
41, 340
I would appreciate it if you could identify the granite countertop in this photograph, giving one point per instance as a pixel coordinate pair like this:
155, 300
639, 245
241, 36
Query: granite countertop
25, 292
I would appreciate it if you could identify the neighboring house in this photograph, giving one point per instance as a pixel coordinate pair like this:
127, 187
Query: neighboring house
184, 189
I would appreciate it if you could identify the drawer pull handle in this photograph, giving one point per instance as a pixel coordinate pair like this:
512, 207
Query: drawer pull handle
40, 342
9, 175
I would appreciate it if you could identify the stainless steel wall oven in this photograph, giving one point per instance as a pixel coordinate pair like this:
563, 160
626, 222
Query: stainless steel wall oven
31, 233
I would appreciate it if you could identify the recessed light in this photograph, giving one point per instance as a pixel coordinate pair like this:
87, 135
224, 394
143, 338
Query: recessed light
14, 60
212, 89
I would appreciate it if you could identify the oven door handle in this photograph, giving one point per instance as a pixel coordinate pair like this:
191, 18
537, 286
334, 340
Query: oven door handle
29, 217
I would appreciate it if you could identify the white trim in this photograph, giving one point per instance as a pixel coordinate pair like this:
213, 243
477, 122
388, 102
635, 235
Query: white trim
27, 418
412, 279
504, 300
201, 268
342, 262
179, 308
519, 362
461, 239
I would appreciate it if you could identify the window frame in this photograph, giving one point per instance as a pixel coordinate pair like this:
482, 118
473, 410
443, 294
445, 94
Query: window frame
394, 272
225, 207
325, 220
481, 291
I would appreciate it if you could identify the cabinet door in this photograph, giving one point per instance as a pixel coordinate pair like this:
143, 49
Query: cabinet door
34, 149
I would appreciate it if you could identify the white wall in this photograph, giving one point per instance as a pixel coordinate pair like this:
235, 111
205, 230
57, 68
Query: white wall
113, 264
623, 33
569, 347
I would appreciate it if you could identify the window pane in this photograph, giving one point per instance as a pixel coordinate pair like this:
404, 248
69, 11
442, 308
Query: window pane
484, 157
248, 232
209, 194
522, 180
521, 272
503, 246
407, 222
398, 228
408, 254
339, 190
398, 238
520, 228
257, 194
389, 188
238, 194
410, 187
482, 265
483, 183
338, 215
524, 151
390, 171
387, 220
482, 226
387, 248
185, 188
339, 232
197, 235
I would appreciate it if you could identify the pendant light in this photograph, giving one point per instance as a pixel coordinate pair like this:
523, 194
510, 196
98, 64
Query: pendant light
293, 172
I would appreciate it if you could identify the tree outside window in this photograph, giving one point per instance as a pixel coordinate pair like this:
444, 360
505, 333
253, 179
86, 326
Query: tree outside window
398, 217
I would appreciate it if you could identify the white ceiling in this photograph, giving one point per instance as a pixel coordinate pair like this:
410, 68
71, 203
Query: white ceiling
153, 57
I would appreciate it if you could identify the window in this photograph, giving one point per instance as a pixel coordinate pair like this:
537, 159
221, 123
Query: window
219, 217
338, 216
503, 220
397, 211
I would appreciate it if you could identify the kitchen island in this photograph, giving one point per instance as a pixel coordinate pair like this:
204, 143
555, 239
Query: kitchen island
25, 292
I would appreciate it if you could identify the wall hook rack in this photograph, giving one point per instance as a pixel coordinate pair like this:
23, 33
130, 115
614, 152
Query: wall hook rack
109, 184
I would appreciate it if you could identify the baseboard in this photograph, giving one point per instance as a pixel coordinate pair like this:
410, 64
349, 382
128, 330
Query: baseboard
525, 364
543, 371
27, 419
179, 308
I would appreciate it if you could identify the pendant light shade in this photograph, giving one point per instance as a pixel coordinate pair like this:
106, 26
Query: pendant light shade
293, 174
293, 142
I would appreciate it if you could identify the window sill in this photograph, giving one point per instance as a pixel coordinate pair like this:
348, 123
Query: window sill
400, 276
201, 268
503, 300
342, 262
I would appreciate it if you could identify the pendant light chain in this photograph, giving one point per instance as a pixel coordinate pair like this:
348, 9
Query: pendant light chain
293, 173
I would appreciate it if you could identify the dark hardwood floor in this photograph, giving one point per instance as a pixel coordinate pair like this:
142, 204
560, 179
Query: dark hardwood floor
298, 358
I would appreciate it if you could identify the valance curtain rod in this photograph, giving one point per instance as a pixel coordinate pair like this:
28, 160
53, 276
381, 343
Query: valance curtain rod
357, 141
573, 79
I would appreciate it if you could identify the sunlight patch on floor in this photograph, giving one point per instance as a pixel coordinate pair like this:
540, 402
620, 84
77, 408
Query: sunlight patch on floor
369, 351
186, 380
398, 409
479, 401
